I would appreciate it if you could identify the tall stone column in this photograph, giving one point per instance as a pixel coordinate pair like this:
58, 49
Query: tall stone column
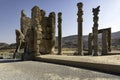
52, 23
95, 30
109, 40
24, 22
37, 30
90, 42
104, 42
59, 33
80, 20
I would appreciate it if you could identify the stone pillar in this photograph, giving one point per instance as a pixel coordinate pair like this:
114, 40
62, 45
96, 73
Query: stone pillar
37, 30
95, 30
23, 18
109, 40
52, 22
24, 23
59, 33
80, 20
37, 38
90, 43
104, 42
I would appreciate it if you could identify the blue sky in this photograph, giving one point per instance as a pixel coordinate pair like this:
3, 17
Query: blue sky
10, 15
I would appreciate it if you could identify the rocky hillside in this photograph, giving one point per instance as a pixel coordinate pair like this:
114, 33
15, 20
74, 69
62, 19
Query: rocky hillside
71, 41
2, 45
7, 46
116, 35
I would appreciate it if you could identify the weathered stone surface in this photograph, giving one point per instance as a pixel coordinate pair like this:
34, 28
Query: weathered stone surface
104, 42
19, 39
80, 20
48, 33
90, 43
24, 22
109, 40
29, 41
37, 30
59, 33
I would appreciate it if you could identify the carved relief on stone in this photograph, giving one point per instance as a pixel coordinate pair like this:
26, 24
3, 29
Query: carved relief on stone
20, 39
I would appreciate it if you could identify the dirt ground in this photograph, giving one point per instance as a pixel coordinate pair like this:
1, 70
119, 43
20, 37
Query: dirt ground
113, 57
31, 70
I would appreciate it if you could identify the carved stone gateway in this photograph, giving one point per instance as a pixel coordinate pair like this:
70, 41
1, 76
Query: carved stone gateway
80, 20
106, 41
39, 32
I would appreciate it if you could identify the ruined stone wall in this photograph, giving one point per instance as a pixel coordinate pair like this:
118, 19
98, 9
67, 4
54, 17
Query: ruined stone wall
106, 41
46, 31
24, 22
48, 37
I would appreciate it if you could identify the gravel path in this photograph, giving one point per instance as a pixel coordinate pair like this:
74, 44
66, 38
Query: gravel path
31, 70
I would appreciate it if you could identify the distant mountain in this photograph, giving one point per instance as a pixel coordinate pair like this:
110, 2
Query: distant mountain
116, 35
7, 46
71, 41
2, 45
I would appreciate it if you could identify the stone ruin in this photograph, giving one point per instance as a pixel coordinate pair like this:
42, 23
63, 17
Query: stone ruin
39, 32
93, 37
106, 42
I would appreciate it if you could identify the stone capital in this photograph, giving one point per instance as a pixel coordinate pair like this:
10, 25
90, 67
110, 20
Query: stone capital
80, 5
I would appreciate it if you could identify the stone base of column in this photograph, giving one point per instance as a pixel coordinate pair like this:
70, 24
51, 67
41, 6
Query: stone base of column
96, 54
28, 56
82, 54
59, 53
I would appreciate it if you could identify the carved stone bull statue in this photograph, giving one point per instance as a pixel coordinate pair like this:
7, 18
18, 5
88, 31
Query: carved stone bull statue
20, 39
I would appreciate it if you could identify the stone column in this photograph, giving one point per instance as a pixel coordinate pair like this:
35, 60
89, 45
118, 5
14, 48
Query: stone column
80, 20
52, 21
22, 20
95, 30
37, 38
59, 33
104, 42
90, 42
37, 30
109, 40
